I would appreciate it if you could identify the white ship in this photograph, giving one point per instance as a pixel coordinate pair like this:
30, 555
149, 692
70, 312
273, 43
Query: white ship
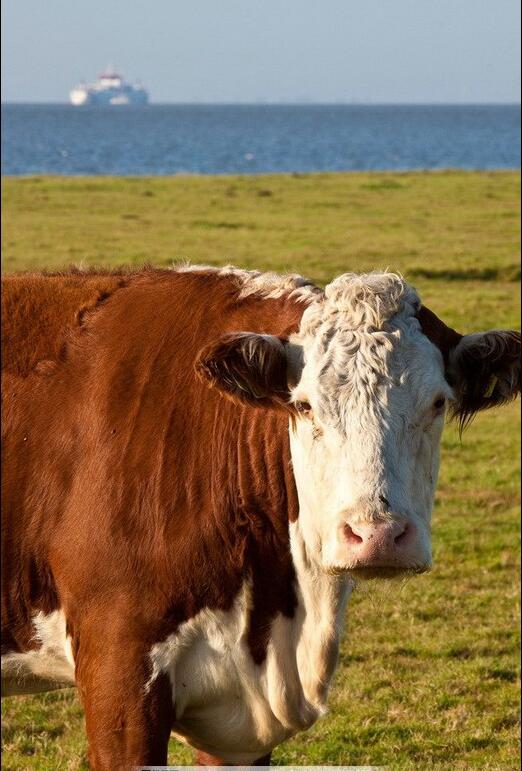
109, 89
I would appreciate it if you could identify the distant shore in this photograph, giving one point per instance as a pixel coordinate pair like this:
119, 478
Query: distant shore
261, 103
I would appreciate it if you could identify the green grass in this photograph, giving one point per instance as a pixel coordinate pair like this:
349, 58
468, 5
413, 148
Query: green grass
428, 674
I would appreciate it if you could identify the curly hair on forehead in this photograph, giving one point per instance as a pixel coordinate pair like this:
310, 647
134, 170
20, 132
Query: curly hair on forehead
366, 302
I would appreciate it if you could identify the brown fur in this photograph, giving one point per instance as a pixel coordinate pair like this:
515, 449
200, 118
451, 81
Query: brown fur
134, 495
438, 332
39, 309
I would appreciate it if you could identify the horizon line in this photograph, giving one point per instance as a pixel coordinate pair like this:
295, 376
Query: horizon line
269, 103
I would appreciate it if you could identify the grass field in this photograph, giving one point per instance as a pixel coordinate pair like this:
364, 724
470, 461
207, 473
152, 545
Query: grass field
428, 674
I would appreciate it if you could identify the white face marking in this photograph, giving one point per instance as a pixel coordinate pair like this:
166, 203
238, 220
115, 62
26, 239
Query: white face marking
48, 667
366, 457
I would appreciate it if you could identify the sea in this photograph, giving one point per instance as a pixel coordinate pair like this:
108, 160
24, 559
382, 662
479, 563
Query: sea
256, 139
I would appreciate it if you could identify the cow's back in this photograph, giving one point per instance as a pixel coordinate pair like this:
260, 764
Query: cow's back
39, 309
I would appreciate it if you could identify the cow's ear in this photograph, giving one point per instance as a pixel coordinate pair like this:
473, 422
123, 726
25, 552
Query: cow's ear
484, 370
248, 367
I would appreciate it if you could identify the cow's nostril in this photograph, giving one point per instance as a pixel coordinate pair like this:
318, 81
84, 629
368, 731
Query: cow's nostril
402, 535
351, 536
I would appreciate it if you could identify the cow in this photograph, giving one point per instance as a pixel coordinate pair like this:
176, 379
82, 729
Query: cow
199, 465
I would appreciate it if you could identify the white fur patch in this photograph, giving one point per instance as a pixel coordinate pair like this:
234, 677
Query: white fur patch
224, 702
267, 285
50, 666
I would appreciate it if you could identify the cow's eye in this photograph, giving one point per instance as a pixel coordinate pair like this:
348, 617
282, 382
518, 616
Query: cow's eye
303, 408
439, 403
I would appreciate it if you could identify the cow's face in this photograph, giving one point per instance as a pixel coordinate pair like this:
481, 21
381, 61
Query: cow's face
367, 381
371, 400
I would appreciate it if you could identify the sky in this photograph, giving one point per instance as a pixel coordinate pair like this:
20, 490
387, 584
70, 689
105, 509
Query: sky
223, 51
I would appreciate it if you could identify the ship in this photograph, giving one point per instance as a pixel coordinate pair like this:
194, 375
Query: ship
109, 89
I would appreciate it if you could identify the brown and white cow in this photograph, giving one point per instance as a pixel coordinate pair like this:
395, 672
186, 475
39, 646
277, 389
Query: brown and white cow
185, 558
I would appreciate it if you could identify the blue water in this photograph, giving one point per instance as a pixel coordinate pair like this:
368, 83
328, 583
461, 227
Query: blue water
176, 139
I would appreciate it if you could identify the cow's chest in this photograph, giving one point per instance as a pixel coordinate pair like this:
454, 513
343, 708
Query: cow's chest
223, 700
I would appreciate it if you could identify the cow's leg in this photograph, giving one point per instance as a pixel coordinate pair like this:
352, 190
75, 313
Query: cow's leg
128, 722
204, 759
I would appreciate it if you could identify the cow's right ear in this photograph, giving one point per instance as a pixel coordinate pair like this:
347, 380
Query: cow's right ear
249, 367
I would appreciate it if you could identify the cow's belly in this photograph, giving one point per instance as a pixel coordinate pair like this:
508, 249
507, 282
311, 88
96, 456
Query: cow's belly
225, 704
234, 730
221, 705
46, 668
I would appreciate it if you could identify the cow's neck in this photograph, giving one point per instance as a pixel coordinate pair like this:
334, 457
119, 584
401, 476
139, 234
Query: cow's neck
311, 635
290, 595
322, 604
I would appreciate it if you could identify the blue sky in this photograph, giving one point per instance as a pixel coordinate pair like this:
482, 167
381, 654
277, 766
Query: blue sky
370, 51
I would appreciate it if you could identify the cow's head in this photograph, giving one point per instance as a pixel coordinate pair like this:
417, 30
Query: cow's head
367, 380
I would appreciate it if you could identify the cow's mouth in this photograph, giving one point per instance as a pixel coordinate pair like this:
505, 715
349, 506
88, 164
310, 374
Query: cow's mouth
368, 573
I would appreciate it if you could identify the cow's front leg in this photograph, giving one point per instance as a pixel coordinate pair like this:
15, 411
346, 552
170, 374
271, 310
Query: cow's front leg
128, 720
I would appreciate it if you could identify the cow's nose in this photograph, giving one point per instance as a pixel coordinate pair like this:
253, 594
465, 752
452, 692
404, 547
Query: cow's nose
381, 543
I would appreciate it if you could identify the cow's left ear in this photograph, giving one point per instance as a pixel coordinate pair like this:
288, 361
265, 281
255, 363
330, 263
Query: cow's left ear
484, 370
249, 367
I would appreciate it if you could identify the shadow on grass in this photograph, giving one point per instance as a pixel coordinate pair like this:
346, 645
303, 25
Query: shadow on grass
506, 273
